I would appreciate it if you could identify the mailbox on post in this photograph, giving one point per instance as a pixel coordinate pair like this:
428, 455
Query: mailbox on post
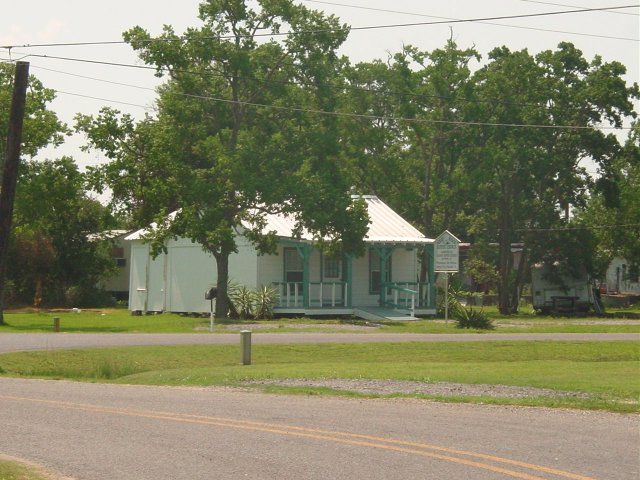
211, 295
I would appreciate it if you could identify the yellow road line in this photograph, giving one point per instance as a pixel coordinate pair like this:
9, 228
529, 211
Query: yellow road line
420, 449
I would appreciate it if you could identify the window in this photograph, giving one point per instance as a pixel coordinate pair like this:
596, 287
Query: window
121, 262
332, 267
293, 265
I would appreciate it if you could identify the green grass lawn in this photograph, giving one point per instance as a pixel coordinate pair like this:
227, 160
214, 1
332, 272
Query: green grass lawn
609, 372
11, 470
120, 320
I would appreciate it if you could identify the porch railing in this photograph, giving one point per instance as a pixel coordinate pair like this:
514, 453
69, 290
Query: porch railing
404, 295
400, 298
321, 294
410, 295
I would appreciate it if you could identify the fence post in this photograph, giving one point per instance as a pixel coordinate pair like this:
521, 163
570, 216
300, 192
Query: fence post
245, 347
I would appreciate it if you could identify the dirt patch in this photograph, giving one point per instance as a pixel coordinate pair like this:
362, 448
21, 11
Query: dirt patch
444, 389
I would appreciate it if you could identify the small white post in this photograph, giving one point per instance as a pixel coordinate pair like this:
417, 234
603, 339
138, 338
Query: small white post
245, 347
446, 297
212, 315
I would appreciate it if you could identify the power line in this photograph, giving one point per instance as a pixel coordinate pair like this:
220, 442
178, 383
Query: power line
272, 82
62, 92
384, 10
571, 6
356, 115
267, 82
368, 27
340, 114
561, 229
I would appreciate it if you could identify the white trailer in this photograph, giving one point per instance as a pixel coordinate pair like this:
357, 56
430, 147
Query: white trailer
563, 294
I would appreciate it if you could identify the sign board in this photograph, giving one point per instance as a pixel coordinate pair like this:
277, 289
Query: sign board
446, 253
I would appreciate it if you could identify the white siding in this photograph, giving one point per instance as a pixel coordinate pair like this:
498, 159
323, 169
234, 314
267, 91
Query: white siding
138, 277
360, 283
190, 272
146, 291
270, 268
156, 274
243, 266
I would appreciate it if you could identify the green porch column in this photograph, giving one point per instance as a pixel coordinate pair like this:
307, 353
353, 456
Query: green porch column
348, 278
384, 252
305, 252
430, 249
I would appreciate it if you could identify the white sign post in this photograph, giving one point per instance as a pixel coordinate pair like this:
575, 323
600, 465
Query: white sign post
446, 260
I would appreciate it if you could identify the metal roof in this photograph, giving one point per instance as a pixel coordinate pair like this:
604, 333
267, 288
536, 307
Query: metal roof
385, 225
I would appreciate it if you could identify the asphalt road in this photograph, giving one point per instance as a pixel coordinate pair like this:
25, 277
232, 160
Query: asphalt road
10, 342
95, 432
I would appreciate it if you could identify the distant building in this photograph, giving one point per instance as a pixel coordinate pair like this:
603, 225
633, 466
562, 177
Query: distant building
623, 277
118, 283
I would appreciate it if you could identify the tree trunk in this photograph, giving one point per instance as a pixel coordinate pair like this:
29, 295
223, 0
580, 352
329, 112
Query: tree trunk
515, 292
222, 299
504, 242
9, 173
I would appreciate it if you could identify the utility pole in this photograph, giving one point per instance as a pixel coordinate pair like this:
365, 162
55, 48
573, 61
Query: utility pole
10, 171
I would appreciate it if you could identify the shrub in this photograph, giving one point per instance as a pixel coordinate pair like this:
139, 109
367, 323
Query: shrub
265, 301
245, 303
472, 318
242, 300
87, 296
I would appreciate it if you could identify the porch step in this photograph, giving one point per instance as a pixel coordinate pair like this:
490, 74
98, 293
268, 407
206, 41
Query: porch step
380, 313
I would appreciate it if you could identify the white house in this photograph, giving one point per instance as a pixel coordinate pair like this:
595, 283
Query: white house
117, 284
383, 283
622, 277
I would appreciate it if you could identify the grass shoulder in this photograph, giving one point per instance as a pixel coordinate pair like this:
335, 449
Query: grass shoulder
13, 469
596, 375
121, 321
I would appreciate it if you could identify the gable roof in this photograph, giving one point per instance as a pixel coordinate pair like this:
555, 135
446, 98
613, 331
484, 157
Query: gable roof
385, 225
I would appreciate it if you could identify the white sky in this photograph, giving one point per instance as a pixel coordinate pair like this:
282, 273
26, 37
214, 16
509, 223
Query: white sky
614, 36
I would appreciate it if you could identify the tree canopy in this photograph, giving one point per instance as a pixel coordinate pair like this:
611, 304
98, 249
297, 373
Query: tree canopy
498, 154
251, 122
52, 247
227, 140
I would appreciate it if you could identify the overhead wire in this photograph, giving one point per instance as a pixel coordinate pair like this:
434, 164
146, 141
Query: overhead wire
571, 6
388, 118
561, 229
482, 22
352, 28
415, 95
348, 86
146, 67
274, 82
356, 115
324, 112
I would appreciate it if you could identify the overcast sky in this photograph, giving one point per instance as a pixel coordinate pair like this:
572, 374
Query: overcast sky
611, 34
